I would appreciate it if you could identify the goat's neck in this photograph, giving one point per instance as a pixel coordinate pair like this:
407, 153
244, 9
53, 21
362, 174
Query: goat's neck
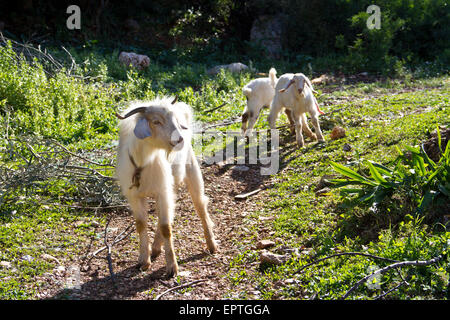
144, 151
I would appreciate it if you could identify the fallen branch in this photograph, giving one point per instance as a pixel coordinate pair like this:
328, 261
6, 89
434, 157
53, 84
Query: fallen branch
392, 266
180, 287
344, 254
248, 194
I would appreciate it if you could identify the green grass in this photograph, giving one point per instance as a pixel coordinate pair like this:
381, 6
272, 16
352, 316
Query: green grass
328, 224
78, 111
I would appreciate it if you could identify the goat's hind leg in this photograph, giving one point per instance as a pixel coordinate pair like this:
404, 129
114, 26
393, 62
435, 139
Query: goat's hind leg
157, 243
306, 128
194, 183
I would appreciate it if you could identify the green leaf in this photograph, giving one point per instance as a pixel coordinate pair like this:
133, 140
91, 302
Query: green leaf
375, 173
412, 149
351, 174
337, 183
384, 170
427, 159
439, 138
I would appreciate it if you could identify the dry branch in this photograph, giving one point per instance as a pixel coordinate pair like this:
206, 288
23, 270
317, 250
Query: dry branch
248, 194
344, 254
180, 287
392, 266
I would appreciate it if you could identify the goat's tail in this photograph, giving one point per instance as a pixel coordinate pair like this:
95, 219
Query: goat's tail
247, 91
273, 77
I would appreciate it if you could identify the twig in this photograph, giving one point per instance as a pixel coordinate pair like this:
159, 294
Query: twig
108, 256
109, 247
116, 240
180, 287
248, 194
391, 290
222, 124
344, 254
78, 156
213, 109
392, 266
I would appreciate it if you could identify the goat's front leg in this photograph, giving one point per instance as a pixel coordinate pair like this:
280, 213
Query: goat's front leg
165, 202
298, 131
139, 209
291, 120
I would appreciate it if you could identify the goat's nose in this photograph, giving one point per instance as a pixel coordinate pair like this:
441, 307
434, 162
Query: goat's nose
176, 140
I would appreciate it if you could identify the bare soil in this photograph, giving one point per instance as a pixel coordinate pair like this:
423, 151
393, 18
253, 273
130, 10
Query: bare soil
88, 277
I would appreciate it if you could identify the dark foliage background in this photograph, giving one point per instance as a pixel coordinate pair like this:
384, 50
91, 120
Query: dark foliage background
411, 33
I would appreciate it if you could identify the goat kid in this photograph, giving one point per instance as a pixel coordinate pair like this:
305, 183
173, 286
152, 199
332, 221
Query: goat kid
295, 92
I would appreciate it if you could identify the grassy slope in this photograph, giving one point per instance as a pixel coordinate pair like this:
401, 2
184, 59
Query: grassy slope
319, 226
376, 118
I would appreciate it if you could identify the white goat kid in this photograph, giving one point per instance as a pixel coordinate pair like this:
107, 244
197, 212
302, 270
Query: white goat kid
259, 93
155, 155
292, 93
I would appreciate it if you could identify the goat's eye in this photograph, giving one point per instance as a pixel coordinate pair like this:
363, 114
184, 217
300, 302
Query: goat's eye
183, 127
157, 122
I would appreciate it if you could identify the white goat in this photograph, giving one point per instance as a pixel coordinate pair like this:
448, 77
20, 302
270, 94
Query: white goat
291, 93
155, 155
259, 93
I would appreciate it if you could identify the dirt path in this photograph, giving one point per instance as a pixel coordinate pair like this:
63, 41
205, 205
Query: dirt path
90, 278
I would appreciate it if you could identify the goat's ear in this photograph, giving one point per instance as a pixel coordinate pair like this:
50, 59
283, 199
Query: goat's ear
142, 129
287, 86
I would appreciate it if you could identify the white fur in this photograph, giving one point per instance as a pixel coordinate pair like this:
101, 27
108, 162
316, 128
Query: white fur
259, 93
163, 167
290, 98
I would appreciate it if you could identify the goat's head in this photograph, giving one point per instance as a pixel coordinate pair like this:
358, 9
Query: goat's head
159, 123
298, 80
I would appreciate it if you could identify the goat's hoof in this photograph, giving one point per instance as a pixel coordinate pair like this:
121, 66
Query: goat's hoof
172, 271
212, 247
144, 266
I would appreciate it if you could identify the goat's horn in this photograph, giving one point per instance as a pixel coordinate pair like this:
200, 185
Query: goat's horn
134, 111
288, 85
175, 100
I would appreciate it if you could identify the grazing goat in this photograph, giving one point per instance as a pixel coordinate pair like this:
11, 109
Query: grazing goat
291, 93
155, 155
259, 93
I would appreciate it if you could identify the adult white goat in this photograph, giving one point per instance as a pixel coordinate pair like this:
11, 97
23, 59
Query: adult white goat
155, 155
292, 93
259, 93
